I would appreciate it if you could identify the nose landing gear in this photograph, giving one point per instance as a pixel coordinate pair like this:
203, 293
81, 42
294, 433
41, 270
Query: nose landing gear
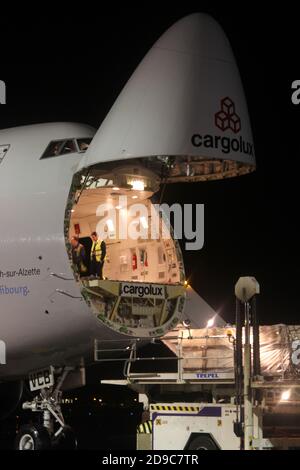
52, 433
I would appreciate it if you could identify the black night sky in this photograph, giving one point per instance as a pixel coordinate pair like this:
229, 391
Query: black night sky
72, 68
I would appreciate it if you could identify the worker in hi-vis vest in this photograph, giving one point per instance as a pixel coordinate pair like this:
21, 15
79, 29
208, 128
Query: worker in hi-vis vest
78, 257
98, 253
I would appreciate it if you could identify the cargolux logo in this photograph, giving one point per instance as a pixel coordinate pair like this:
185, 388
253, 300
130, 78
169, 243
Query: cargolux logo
227, 118
142, 290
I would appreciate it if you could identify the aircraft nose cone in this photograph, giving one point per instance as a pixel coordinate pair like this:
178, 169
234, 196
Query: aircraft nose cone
197, 34
185, 99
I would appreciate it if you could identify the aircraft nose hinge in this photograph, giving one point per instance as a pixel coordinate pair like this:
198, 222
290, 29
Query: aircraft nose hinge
62, 276
63, 292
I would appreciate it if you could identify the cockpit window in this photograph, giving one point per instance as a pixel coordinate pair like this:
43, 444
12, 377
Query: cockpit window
52, 150
66, 146
3, 151
83, 144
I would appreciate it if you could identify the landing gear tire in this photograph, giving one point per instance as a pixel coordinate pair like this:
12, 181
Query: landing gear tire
32, 437
66, 440
202, 443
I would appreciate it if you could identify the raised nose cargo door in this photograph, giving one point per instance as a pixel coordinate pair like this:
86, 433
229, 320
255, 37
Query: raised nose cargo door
185, 104
182, 117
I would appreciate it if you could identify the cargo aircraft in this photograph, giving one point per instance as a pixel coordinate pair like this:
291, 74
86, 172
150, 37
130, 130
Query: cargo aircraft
181, 117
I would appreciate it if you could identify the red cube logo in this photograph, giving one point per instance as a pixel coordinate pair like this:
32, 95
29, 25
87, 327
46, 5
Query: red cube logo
227, 118
227, 106
222, 120
235, 123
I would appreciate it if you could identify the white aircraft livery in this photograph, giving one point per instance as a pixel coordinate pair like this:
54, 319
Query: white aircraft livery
181, 117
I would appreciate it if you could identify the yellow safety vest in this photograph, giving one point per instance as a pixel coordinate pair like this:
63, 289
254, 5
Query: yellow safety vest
96, 250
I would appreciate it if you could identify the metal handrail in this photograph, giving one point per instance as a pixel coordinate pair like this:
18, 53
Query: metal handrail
132, 357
